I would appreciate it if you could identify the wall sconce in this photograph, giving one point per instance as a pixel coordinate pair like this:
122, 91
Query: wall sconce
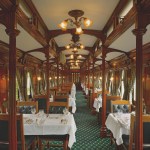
112, 78
121, 20
39, 78
100, 78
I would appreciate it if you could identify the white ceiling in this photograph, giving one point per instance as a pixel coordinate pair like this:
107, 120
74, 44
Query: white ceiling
55, 11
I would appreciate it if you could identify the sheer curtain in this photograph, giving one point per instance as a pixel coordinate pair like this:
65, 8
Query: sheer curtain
20, 83
118, 82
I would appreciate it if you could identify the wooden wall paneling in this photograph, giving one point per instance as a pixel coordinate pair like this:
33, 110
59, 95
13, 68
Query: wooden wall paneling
146, 87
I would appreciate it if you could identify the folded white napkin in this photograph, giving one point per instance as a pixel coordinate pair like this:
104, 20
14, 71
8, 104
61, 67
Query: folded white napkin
40, 121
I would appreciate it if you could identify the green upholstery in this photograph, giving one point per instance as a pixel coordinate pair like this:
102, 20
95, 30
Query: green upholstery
61, 100
4, 134
121, 108
56, 109
146, 137
25, 109
41, 103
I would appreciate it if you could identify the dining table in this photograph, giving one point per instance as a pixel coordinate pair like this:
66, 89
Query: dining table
50, 124
118, 124
97, 103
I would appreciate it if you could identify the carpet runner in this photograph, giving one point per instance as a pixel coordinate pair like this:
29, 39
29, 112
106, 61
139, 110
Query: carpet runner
88, 130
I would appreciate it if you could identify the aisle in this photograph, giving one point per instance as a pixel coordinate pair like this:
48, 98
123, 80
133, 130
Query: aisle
88, 130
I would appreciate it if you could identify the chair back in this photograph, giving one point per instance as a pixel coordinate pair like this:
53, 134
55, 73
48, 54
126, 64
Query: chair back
61, 93
57, 107
59, 103
108, 102
25, 107
120, 106
146, 132
41, 101
4, 132
61, 98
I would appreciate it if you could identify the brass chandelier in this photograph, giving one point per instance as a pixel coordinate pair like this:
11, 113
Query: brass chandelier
77, 14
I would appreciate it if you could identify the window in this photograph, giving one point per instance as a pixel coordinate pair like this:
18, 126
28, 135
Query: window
29, 93
17, 90
122, 84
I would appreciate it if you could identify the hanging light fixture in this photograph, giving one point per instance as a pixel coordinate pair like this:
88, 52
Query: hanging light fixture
77, 14
75, 46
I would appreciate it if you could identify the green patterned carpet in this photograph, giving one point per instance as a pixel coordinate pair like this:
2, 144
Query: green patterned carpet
88, 130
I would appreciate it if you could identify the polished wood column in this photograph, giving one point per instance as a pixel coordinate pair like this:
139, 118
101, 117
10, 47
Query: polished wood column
92, 100
12, 32
103, 132
88, 75
139, 89
47, 76
139, 31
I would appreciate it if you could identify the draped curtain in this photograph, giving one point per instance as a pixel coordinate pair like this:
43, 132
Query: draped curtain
108, 80
25, 82
131, 81
125, 80
20, 83
118, 81
43, 82
31, 79
112, 86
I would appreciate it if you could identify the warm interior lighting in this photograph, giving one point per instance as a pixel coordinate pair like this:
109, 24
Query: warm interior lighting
63, 25
111, 79
77, 14
87, 22
79, 30
81, 46
71, 56
75, 49
50, 78
80, 56
75, 46
68, 47
39, 78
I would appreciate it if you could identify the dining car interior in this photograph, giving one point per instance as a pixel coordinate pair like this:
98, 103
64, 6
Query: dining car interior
74, 74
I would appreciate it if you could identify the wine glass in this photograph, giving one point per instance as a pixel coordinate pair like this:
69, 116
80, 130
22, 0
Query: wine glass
33, 110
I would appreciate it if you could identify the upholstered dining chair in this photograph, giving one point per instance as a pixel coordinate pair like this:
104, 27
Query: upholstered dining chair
61, 93
41, 101
25, 107
56, 107
120, 106
24, 142
109, 98
146, 133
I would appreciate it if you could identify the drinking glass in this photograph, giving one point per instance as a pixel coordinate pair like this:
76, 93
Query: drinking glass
33, 110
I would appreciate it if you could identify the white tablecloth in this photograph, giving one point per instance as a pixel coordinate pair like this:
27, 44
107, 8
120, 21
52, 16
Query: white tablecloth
50, 125
72, 103
97, 103
119, 124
